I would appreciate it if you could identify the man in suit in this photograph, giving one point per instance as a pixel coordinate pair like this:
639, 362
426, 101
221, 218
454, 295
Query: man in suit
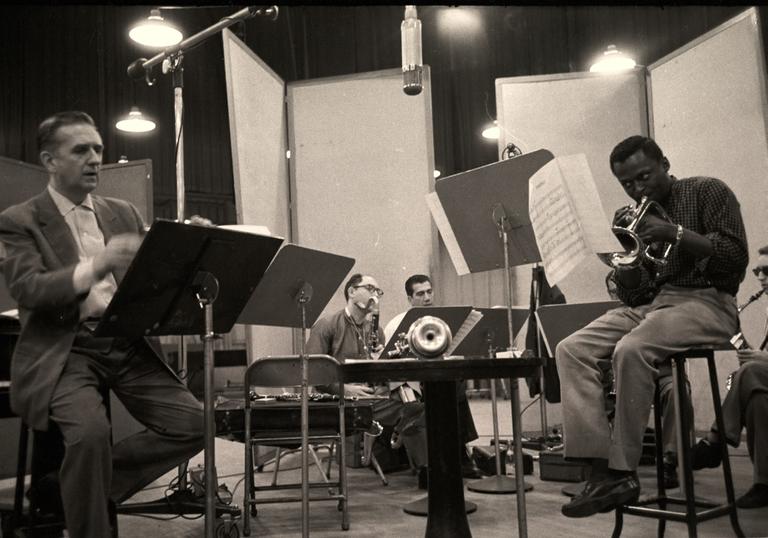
65, 251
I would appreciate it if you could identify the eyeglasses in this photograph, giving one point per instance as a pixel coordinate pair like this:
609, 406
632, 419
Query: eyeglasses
371, 288
760, 269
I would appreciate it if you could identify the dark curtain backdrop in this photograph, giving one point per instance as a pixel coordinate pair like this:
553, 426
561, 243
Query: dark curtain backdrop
74, 57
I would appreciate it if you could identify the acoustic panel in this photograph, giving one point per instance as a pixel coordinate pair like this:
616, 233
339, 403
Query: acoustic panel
708, 105
257, 125
566, 114
361, 165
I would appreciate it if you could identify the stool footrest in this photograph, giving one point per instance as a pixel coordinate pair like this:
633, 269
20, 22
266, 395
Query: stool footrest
641, 509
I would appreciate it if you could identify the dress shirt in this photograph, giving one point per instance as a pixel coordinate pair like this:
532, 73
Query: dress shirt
81, 219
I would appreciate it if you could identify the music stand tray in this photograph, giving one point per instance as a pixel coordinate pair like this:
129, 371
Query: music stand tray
557, 321
494, 320
453, 316
274, 300
157, 295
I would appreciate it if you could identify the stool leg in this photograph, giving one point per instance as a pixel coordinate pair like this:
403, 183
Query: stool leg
683, 447
21, 471
724, 447
619, 523
659, 442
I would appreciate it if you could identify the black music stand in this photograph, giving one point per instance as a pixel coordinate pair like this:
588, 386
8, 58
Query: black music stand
297, 287
557, 321
182, 281
454, 317
486, 226
489, 335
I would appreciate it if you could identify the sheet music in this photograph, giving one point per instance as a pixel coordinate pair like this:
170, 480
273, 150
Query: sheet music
567, 216
449, 238
472, 319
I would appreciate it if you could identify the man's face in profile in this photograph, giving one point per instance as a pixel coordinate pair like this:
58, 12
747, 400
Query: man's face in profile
422, 294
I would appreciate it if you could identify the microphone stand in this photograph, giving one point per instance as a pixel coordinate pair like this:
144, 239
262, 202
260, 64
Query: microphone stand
171, 60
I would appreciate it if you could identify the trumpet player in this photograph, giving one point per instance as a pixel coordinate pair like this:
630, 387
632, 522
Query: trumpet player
348, 334
745, 405
671, 305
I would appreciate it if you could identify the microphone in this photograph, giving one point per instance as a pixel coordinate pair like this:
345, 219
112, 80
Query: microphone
410, 42
137, 70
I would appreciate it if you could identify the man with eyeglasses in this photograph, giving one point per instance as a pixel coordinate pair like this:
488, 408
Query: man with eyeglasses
745, 405
347, 334
419, 292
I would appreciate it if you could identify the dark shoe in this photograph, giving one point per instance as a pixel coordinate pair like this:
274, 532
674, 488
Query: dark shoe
603, 496
45, 495
706, 454
756, 497
468, 467
670, 475
423, 478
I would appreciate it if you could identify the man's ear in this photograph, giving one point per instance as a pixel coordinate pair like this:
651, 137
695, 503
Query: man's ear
46, 159
665, 164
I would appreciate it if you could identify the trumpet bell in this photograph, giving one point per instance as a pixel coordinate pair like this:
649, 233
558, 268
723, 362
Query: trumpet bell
429, 337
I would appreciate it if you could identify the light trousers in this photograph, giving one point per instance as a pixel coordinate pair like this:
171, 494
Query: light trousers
632, 341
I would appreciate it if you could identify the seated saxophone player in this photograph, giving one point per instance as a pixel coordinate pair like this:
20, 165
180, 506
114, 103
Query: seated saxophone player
686, 302
347, 334
419, 292
745, 405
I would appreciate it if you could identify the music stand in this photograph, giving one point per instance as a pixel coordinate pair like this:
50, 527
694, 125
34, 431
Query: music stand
295, 290
557, 321
178, 270
489, 335
473, 210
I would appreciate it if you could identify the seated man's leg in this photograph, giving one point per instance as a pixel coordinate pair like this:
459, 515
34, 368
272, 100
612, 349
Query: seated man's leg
410, 426
581, 363
77, 407
755, 417
678, 321
172, 415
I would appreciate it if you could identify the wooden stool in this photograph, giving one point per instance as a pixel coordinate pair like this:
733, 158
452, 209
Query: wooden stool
691, 516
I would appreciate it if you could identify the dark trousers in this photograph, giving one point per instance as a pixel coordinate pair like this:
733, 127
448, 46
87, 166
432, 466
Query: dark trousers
93, 469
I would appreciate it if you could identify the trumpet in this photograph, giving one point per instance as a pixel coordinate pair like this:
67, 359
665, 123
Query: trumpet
625, 226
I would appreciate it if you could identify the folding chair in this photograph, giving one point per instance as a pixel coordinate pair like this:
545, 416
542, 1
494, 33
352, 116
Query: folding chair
286, 372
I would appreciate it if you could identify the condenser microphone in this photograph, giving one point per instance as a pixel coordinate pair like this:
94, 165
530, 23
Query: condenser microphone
410, 43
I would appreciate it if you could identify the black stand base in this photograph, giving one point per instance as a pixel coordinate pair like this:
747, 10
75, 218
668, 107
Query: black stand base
178, 503
419, 507
499, 484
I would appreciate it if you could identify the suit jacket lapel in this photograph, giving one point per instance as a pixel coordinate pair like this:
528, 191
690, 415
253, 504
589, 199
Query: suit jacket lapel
56, 230
105, 217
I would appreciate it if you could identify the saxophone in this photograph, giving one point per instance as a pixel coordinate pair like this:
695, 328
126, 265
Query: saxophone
737, 340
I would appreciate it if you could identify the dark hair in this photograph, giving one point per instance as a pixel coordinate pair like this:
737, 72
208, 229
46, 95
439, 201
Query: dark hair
354, 280
627, 147
46, 132
763, 250
412, 281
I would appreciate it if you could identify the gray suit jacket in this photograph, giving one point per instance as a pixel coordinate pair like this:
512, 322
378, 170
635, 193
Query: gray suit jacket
40, 259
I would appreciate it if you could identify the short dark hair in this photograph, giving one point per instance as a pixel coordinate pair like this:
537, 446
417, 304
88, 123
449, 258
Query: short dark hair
412, 281
763, 250
627, 147
46, 132
354, 280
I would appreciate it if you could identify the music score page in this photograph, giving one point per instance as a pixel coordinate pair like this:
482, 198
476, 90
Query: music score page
567, 216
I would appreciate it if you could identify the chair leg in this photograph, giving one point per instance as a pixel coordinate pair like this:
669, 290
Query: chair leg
727, 476
278, 453
378, 470
659, 445
247, 487
21, 471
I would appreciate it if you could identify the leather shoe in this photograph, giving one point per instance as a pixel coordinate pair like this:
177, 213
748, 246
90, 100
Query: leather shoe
469, 468
670, 475
603, 496
756, 497
706, 454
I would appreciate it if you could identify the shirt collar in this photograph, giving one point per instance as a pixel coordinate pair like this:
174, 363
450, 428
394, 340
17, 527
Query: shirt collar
64, 204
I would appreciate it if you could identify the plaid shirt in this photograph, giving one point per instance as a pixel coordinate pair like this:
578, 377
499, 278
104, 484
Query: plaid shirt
708, 207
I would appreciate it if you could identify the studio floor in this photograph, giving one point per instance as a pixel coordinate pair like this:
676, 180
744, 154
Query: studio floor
376, 510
